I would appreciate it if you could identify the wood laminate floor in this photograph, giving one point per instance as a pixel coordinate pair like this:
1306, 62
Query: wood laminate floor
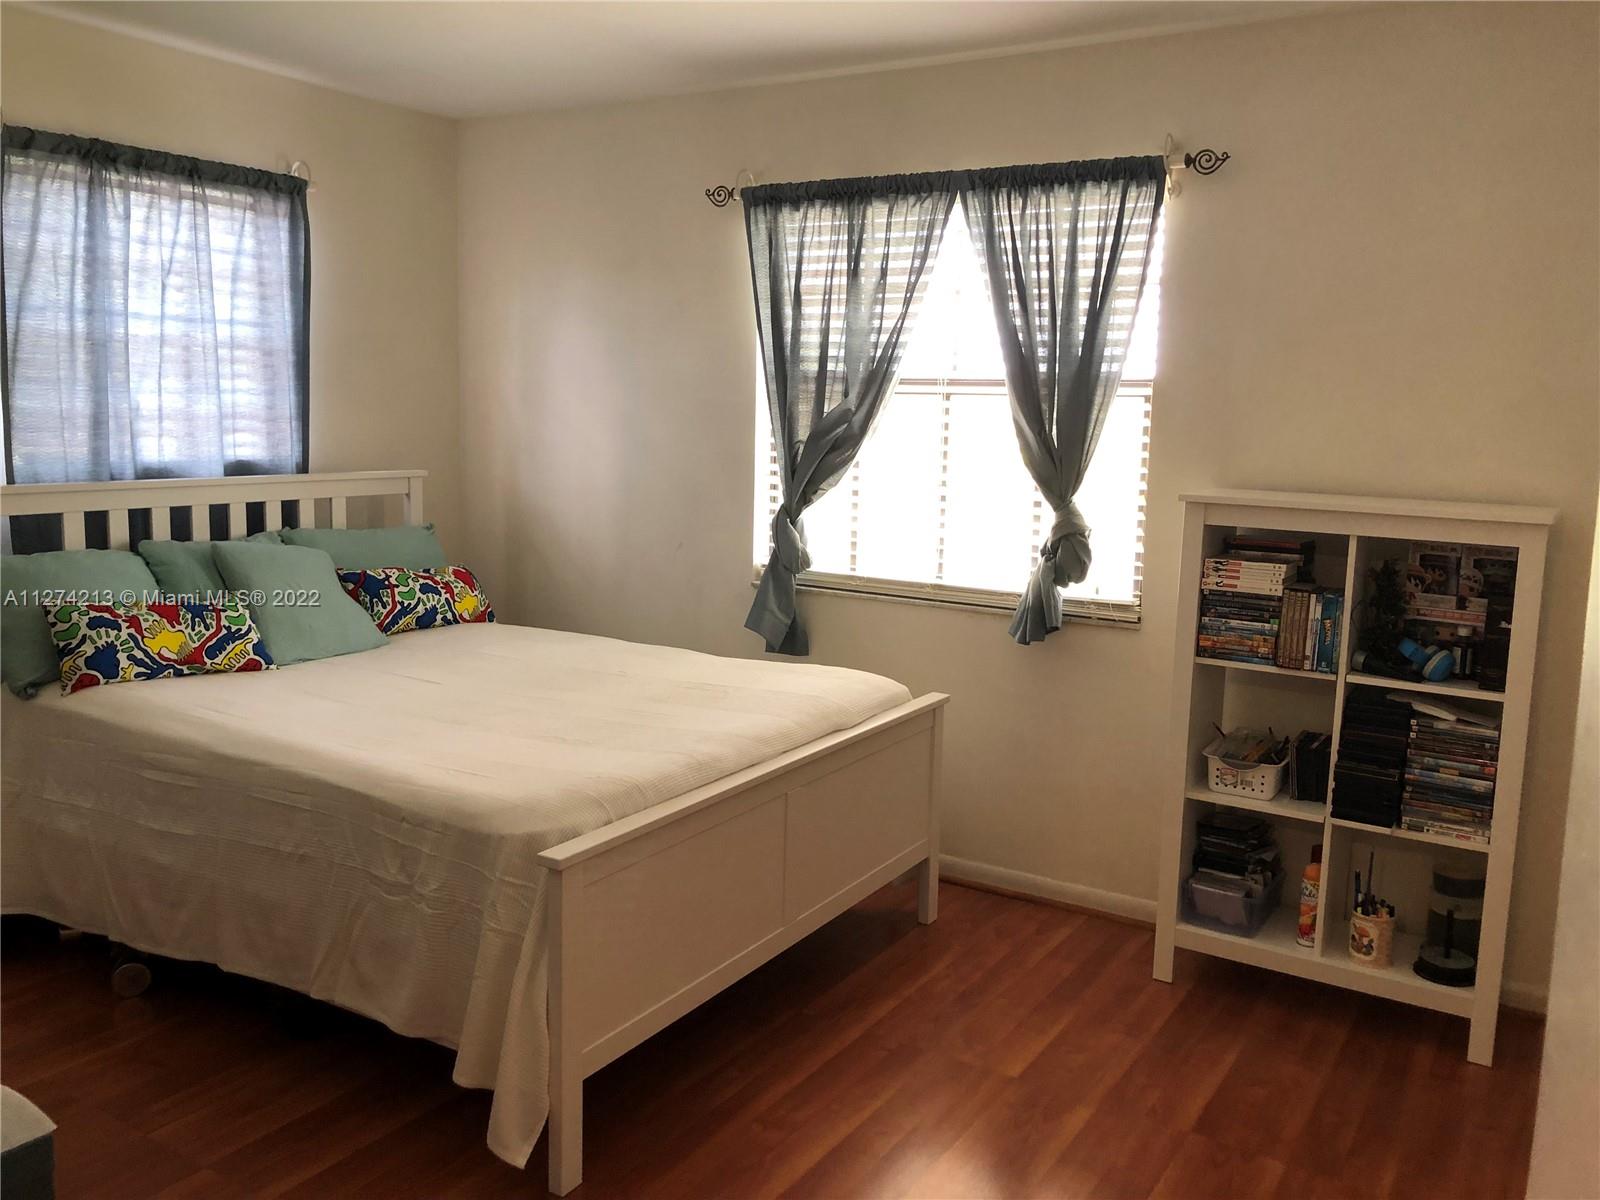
1011, 1049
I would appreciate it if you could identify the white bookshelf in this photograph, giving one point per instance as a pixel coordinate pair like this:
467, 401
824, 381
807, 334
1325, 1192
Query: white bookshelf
1352, 533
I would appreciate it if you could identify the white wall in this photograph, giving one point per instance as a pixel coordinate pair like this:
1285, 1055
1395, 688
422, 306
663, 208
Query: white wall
1566, 1154
1390, 289
384, 378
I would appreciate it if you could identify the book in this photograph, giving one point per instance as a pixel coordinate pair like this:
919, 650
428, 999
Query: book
1441, 829
1238, 625
1427, 802
1308, 645
1215, 583
1241, 566
1445, 782
1292, 627
1214, 643
1441, 746
1450, 766
1470, 727
1326, 658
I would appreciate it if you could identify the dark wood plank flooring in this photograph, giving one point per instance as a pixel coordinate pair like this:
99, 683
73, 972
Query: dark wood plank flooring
1011, 1049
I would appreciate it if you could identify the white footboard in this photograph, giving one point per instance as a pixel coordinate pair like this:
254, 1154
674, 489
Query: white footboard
657, 913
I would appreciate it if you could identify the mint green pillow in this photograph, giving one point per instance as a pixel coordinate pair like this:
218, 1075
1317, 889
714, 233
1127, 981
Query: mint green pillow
29, 581
187, 568
412, 546
296, 600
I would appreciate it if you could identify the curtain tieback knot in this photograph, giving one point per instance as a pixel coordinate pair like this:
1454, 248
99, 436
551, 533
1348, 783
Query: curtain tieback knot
1068, 523
789, 542
1065, 558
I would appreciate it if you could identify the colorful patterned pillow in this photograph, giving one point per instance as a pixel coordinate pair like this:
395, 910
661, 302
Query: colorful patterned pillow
400, 599
118, 643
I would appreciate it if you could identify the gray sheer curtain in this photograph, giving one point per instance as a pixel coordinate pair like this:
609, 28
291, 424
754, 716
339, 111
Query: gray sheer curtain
838, 269
1065, 248
156, 313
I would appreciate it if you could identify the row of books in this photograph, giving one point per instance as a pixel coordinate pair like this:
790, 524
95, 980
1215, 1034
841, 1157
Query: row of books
1308, 631
1239, 626
1450, 772
1258, 605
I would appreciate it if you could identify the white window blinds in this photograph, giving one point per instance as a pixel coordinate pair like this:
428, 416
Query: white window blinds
938, 503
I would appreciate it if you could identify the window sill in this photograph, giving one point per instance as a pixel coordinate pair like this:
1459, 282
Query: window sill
1073, 610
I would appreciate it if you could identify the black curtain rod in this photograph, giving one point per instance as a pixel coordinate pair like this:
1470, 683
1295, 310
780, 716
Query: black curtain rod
1201, 162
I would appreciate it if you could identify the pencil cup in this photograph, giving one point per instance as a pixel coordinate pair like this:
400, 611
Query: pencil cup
1372, 940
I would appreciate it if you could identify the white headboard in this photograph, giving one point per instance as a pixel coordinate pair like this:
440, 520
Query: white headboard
323, 500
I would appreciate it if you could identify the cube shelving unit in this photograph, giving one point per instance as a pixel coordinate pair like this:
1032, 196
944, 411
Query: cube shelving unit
1353, 533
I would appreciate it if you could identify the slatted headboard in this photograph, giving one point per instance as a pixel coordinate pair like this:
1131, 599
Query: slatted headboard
321, 500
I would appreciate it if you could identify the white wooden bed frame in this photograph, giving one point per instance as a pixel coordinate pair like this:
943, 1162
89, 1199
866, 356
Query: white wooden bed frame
656, 913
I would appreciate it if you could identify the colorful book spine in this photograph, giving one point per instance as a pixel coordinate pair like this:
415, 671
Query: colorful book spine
1450, 783
1439, 829
1459, 729
1308, 642
1451, 766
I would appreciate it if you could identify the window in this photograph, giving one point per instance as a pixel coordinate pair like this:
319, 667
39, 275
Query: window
154, 314
938, 505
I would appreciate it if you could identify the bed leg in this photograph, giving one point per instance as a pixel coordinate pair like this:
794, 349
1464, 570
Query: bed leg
566, 1134
928, 869
928, 891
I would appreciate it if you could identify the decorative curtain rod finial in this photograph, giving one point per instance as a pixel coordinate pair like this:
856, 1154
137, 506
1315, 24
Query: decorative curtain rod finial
722, 195
1206, 162
1201, 162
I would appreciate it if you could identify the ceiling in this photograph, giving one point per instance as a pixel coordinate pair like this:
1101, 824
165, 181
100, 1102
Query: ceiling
468, 58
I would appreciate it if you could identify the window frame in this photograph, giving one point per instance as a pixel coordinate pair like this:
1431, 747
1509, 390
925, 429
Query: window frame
149, 180
1123, 614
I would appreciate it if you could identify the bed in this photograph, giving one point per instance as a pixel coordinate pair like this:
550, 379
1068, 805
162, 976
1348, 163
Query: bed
536, 847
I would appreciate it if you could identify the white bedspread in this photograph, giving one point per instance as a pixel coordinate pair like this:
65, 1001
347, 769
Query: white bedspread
363, 829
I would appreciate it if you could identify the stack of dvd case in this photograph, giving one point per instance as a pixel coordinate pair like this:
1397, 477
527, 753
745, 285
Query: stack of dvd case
1242, 595
1449, 778
1369, 772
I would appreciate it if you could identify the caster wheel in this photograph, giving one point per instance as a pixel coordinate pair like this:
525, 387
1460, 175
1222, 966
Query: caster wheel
130, 979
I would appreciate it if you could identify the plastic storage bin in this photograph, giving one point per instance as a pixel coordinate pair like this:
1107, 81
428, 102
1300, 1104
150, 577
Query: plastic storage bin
1261, 781
1213, 908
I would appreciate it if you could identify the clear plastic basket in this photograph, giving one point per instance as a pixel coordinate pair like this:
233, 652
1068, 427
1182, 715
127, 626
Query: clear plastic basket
1206, 905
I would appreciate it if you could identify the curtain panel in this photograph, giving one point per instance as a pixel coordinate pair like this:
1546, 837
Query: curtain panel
837, 270
157, 315
839, 267
1065, 248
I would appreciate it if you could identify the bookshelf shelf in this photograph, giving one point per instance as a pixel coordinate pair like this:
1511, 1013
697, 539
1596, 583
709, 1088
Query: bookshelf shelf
1411, 835
1277, 949
1312, 811
1450, 687
1230, 665
1352, 534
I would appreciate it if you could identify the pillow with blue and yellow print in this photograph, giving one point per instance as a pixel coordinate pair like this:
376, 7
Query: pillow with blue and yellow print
400, 599
120, 643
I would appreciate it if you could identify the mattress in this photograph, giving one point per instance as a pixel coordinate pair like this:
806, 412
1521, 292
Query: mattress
363, 829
